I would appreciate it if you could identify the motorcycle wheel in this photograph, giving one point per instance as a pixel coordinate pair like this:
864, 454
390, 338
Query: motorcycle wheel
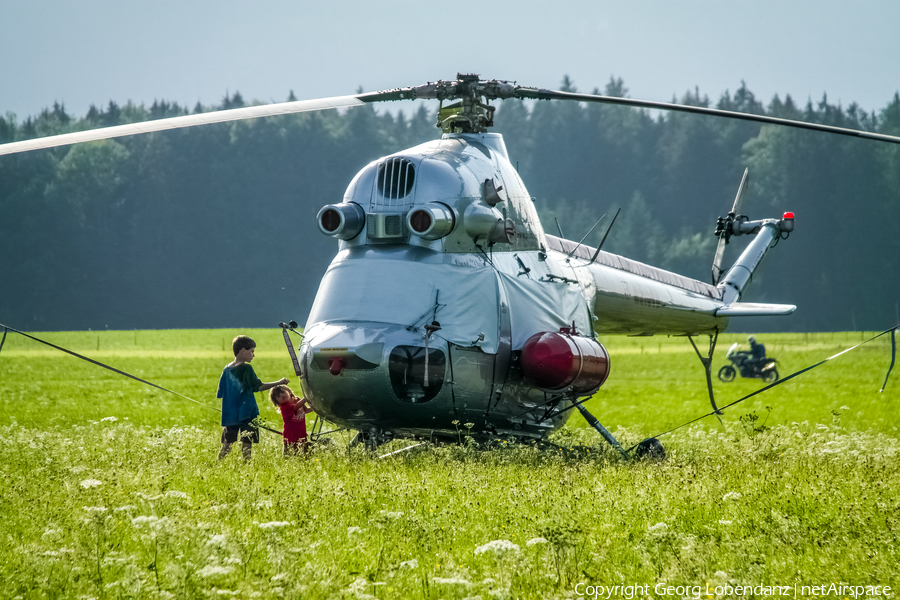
727, 374
770, 376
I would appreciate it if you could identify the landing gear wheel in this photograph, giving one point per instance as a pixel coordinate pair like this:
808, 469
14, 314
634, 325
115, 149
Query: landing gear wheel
770, 376
651, 449
727, 374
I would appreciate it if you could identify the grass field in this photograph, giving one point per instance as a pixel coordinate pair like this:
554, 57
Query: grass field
112, 489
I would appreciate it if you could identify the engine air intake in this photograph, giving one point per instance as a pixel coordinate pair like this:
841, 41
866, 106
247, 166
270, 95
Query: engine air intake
395, 178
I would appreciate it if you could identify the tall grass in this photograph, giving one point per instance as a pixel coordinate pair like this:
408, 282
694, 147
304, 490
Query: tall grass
112, 490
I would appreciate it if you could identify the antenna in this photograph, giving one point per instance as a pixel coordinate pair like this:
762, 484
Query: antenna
569, 255
558, 228
608, 229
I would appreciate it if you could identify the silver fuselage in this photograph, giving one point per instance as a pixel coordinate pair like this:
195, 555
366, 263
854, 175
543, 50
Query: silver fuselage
387, 283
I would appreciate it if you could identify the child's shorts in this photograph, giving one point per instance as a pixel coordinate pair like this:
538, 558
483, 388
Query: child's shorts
246, 432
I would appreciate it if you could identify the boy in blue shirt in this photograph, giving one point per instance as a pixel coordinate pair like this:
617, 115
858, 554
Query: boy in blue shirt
236, 388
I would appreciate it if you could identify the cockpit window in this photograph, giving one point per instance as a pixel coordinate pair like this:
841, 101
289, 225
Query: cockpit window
407, 366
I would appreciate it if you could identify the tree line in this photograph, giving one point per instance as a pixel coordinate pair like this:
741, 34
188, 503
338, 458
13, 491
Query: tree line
214, 226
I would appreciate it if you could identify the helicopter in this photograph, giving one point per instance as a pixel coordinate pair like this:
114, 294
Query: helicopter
448, 303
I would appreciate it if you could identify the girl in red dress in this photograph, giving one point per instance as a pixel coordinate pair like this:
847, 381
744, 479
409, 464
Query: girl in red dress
293, 412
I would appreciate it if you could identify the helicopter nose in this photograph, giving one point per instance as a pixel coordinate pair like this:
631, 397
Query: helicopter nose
359, 374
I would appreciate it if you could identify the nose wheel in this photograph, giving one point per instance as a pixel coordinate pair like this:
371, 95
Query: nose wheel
373, 438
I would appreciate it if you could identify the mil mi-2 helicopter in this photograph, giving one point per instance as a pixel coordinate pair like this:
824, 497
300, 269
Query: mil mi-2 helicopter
448, 303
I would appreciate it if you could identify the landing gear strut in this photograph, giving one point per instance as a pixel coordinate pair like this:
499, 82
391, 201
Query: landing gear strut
593, 422
707, 365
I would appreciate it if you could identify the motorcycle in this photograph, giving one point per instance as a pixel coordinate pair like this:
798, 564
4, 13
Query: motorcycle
741, 362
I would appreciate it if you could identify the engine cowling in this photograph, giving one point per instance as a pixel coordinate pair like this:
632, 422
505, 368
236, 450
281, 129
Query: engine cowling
431, 221
558, 361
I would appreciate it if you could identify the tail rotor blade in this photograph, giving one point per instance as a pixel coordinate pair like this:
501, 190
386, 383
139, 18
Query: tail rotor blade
725, 233
717, 261
742, 189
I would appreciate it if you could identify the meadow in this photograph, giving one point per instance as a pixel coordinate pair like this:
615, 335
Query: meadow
112, 488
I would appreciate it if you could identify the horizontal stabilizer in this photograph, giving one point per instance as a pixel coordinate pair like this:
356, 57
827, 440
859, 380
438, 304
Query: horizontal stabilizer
754, 309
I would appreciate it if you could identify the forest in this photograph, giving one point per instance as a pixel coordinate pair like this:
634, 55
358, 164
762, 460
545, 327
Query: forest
214, 226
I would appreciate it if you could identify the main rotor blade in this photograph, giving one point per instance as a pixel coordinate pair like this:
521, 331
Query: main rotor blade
540, 94
249, 112
466, 86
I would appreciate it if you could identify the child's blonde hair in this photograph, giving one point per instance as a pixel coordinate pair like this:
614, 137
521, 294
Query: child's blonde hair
277, 391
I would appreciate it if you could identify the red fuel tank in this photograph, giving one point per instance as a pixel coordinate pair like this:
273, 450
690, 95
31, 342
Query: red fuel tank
561, 361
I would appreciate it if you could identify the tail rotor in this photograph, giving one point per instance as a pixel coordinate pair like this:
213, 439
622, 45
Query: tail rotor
724, 229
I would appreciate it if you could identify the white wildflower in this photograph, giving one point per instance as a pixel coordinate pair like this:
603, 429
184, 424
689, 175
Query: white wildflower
273, 524
732, 496
233, 560
217, 540
724, 522
279, 577
176, 494
721, 574
95, 509
410, 564
126, 508
91, 483
144, 520
110, 419
264, 504
226, 593
497, 547
353, 529
537, 540
360, 587
214, 571
51, 553
391, 515
658, 527
451, 581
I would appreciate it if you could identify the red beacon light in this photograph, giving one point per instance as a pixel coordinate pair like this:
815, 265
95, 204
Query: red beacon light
787, 222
